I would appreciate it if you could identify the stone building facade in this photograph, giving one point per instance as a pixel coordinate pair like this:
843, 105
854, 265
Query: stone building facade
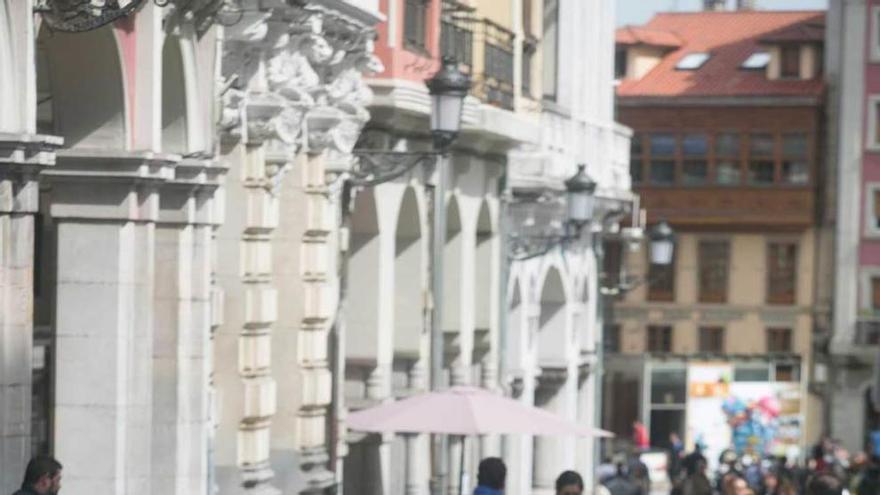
736, 168
189, 281
852, 54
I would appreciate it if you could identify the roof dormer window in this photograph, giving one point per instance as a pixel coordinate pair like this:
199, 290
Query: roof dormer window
692, 61
757, 60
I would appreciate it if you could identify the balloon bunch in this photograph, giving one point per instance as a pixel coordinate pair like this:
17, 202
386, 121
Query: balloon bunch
753, 424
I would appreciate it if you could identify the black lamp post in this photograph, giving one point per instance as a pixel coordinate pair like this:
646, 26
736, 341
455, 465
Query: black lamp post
448, 89
580, 196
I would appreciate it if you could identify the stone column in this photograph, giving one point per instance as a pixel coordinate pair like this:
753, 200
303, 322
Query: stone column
417, 446
182, 329
105, 205
21, 159
548, 455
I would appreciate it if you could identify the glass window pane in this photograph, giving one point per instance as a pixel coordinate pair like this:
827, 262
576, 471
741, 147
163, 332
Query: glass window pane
635, 145
751, 374
695, 172
662, 145
727, 173
795, 172
762, 144
794, 145
668, 386
662, 172
695, 145
727, 144
761, 172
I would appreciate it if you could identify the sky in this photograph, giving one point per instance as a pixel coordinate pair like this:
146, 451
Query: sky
639, 11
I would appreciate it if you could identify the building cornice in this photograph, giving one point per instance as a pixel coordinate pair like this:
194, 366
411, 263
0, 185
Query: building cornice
719, 101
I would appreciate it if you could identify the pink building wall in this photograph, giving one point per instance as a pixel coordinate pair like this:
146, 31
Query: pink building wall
869, 248
401, 63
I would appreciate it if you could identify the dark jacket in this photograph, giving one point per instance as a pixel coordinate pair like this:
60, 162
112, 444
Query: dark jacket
696, 484
619, 485
485, 490
26, 491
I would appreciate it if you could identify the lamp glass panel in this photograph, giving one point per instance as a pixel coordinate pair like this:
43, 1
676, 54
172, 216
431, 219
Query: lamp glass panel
661, 252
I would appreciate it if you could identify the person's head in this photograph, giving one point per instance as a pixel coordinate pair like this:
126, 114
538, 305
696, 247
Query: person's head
824, 484
569, 483
43, 475
740, 487
492, 473
771, 482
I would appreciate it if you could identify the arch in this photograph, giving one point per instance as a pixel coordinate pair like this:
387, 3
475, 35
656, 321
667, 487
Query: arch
175, 131
83, 88
363, 270
408, 282
552, 319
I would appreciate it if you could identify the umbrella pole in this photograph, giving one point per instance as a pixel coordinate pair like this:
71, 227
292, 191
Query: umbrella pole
461, 489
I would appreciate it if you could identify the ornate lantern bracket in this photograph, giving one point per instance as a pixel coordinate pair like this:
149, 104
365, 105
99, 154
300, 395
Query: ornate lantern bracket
374, 167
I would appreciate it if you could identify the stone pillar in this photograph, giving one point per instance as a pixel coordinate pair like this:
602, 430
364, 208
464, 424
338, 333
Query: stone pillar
417, 446
105, 205
181, 364
548, 456
21, 158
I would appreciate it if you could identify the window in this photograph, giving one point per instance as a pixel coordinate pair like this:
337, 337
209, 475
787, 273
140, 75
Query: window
659, 339
757, 60
550, 48
791, 61
875, 293
620, 63
727, 161
662, 148
612, 262
761, 161
414, 22
714, 264
875, 223
692, 61
528, 53
457, 40
779, 340
635, 159
611, 338
661, 287
695, 168
787, 373
751, 373
873, 137
795, 168
711, 339
781, 275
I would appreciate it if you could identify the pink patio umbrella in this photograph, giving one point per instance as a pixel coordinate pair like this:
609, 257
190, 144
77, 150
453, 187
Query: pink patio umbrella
465, 411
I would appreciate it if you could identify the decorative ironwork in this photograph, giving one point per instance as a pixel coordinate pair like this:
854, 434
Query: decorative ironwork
84, 15
373, 167
457, 34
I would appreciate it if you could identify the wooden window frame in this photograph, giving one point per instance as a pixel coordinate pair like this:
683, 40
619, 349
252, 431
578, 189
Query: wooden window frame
785, 51
674, 159
416, 41
661, 344
737, 159
774, 296
710, 339
708, 294
657, 274
780, 340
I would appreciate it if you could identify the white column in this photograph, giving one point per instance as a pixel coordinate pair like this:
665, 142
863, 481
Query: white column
104, 319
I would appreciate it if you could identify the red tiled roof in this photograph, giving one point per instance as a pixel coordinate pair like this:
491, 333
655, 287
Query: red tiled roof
634, 35
730, 38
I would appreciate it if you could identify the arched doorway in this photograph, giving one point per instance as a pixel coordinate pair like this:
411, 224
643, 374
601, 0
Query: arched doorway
552, 378
452, 291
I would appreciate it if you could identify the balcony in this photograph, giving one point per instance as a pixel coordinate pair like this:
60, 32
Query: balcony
726, 206
867, 331
485, 51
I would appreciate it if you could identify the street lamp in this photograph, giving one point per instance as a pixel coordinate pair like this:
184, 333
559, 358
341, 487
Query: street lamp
580, 197
580, 205
662, 240
447, 88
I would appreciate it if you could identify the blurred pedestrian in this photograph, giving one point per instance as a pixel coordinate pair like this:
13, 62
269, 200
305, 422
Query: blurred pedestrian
620, 484
696, 482
42, 476
824, 484
569, 483
640, 436
491, 477
676, 455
